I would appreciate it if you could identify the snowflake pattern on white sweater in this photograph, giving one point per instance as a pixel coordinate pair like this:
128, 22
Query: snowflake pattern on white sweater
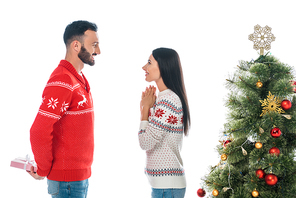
161, 136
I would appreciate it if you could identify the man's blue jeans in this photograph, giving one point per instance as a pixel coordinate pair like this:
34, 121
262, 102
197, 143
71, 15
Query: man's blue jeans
76, 189
168, 193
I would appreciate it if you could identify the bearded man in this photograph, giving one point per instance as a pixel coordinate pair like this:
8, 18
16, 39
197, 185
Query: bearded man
62, 135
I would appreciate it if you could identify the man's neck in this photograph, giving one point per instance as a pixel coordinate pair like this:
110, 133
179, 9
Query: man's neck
76, 62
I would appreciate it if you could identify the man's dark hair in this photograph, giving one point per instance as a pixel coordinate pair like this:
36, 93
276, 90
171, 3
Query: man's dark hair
76, 29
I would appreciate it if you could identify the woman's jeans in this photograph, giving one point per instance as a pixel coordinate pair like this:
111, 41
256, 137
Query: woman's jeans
168, 193
76, 189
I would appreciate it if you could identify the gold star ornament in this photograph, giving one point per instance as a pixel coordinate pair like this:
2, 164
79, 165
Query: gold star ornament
270, 104
262, 38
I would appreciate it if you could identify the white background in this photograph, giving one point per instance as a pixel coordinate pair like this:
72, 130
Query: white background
210, 36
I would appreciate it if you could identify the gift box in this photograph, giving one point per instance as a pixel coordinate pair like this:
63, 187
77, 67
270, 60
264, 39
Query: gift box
24, 163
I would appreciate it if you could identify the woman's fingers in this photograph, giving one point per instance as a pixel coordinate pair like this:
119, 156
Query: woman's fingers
149, 91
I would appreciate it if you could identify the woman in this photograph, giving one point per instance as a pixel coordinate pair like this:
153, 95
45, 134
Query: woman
164, 120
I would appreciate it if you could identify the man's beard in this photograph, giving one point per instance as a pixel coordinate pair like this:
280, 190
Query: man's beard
86, 57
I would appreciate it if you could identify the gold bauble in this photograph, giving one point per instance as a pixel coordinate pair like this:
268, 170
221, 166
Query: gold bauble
255, 193
215, 192
259, 84
223, 157
258, 145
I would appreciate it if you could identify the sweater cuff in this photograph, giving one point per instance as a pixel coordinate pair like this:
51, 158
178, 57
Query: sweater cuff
42, 173
144, 124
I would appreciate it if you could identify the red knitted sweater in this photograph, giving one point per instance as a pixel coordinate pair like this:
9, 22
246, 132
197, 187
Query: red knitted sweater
62, 135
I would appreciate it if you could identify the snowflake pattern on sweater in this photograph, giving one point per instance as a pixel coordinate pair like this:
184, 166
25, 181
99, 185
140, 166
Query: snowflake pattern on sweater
161, 136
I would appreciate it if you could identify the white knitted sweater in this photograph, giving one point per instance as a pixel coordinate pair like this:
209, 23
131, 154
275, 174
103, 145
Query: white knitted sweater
162, 137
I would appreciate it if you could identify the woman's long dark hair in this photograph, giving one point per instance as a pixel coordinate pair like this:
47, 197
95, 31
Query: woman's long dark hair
171, 72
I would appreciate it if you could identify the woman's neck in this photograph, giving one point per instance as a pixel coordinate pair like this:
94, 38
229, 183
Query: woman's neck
160, 85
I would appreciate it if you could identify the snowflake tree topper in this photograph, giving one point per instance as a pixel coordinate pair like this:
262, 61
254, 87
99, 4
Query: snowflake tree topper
262, 38
272, 103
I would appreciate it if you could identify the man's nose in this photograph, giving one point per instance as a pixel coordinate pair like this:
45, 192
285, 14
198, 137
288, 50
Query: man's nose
98, 50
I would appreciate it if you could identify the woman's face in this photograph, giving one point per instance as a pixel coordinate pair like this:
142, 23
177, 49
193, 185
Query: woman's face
152, 70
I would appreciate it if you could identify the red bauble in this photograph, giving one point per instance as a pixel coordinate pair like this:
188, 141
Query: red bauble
286, 104
226, 142
260, 173
201, 192
293, 84
275, 132
274, 151
271, 179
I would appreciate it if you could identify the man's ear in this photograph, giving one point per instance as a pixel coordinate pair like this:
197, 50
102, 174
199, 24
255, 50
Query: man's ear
76, 46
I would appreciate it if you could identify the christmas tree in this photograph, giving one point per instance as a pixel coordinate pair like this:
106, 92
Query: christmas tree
259, 138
